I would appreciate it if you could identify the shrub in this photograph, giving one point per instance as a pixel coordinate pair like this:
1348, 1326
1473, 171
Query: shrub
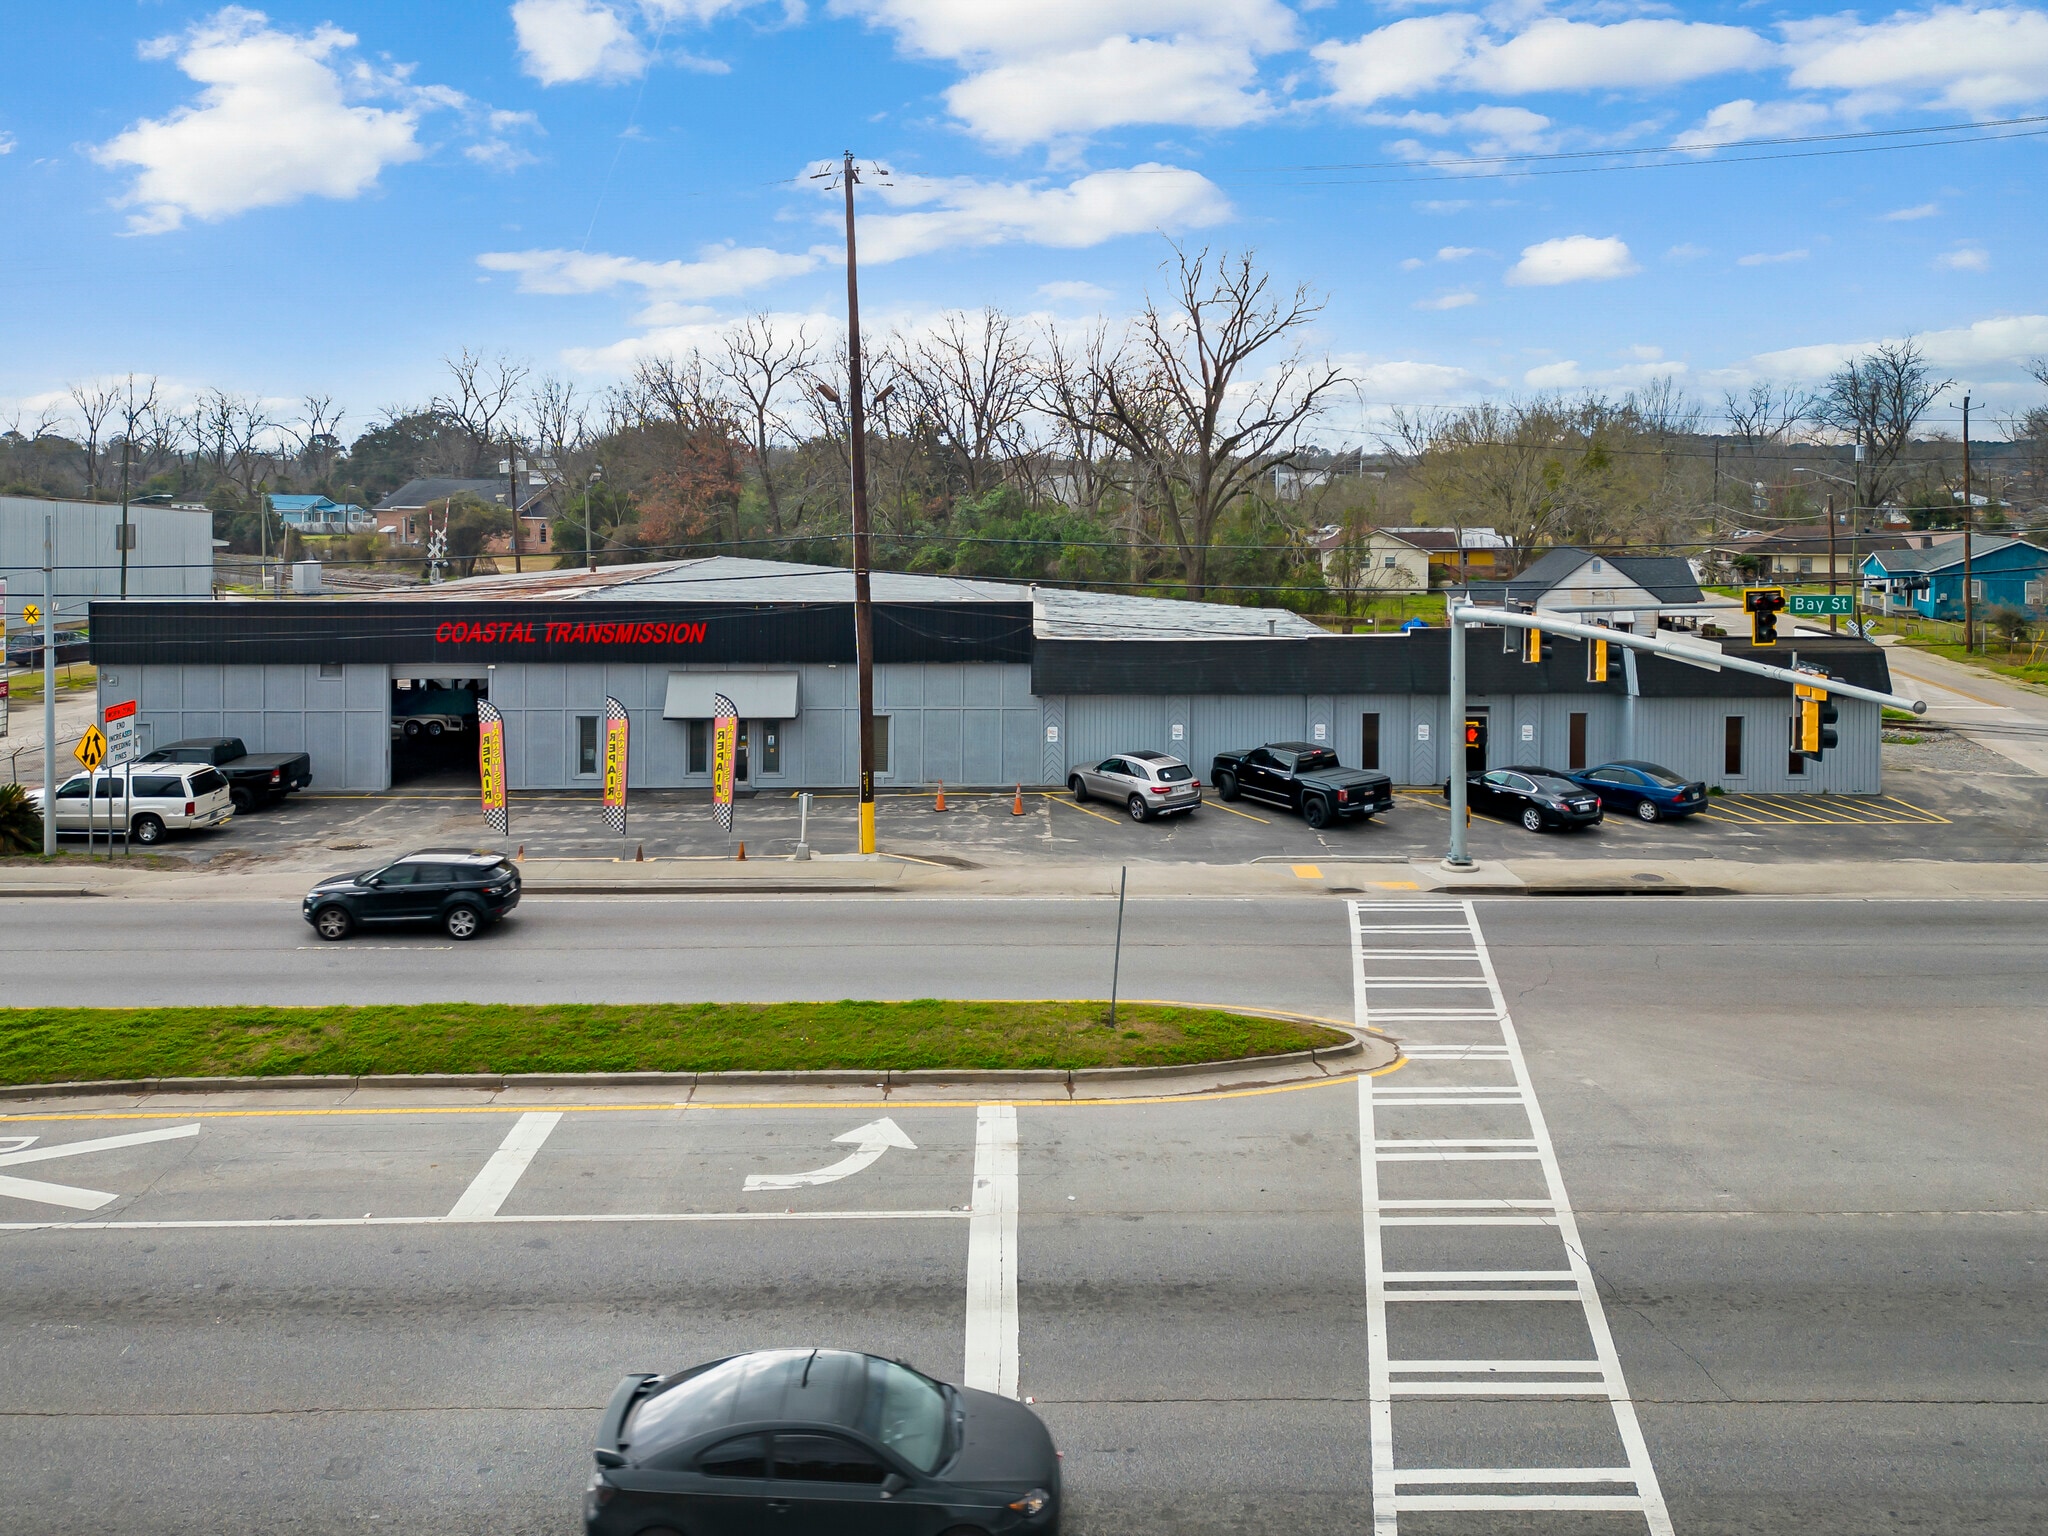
21, 824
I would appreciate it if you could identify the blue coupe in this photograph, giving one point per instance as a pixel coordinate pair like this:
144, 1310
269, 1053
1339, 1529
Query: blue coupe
1651, 792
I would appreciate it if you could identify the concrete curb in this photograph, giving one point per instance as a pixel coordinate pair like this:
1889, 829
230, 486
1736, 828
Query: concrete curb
492, 1082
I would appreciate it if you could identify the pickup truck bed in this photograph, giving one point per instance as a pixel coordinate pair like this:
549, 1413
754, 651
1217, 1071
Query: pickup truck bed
1305, 778
253, 779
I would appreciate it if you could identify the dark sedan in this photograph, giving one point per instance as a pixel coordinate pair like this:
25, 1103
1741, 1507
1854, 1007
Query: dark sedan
1650, 792
461, 891
817, 1440
1536, 797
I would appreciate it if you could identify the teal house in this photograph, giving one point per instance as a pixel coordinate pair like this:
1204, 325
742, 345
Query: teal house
2004, 573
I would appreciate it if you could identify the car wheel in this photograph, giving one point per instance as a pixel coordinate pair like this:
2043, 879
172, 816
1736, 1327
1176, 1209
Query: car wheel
462, 921
1226, 786
1646, 810
1533, 819
434, 727
241, 800
1316, 813
412, 728
1137, 808
146, 830
1080, 790
332, 923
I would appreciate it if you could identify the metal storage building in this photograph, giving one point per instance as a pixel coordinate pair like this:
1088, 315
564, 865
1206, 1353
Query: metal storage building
172, 557
981, 683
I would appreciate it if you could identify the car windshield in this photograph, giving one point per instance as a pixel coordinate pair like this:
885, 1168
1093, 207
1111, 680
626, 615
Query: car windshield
1656, 775
1176, 773
1310, 762
906, 1412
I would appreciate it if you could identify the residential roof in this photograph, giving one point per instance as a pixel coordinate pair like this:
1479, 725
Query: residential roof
1944, 555
417, 494
300, 503
1667, 578
1801, 541
1057, 612
1435, 540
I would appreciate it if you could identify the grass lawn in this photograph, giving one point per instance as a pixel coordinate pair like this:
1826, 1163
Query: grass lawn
50, 1045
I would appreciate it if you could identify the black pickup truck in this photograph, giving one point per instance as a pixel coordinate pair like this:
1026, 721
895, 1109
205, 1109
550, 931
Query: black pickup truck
1305, 778
252, 780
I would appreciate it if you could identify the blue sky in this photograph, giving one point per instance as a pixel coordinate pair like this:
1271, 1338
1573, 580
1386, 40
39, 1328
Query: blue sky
332, 196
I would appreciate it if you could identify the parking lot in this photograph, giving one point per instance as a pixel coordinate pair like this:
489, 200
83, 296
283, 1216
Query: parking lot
1939, 803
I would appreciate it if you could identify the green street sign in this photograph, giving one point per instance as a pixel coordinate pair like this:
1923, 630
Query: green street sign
1821, 605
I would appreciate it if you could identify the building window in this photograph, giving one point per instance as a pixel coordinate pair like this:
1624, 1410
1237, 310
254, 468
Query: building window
586, 745
881, 743
1806, 565
1731, 747
1795, 760
1390, 562
700, 746
1369, 741
1578, 742
2034, 594
771, 746
330, 669
1976, 591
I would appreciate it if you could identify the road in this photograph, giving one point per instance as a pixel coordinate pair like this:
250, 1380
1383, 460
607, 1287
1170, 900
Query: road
2011, 721
1802, 1142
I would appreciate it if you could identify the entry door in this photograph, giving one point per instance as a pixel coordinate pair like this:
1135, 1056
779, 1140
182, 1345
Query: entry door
741, 740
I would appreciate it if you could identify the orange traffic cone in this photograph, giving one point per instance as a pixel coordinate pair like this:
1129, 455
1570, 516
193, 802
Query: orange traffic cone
1017, 805
742, 854
520, 856
940, 803
640, 854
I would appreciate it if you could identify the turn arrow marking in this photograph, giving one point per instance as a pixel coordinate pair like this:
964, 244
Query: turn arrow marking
870, 1141
65, 1194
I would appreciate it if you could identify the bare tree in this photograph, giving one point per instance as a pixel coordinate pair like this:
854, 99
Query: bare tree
228, 432
96, 402
1767, 416
761, 369
318, 435
480, 403
972, 380
1878, 399
1068, 393
1195, 400
135, 403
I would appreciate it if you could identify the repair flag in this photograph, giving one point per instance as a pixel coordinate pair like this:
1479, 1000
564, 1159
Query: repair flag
725, 743
490, 758
616, 729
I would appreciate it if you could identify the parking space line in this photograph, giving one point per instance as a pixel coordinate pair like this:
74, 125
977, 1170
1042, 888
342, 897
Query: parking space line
487, 1191
992, 1254
1247, 815
1492, 1038
1920, 811
1062, 800
1307, 871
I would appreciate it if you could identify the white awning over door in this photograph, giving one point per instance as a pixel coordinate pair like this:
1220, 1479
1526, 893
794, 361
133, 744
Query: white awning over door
756, 695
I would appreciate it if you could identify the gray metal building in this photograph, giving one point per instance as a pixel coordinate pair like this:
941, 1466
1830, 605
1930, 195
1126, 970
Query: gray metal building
979, 683
172, 557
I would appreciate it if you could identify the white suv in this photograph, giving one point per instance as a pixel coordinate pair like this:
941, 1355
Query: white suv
150, 799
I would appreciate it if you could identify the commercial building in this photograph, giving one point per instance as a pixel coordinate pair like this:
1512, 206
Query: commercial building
976, 683
172, 553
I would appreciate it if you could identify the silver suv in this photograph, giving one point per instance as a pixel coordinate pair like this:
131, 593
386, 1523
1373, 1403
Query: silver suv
1148, 783
144, 799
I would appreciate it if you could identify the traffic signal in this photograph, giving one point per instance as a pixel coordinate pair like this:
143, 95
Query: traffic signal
1596, 661
1818, 715
1475, 741
1809, 727
1532, 645
1827, 714
1763, 605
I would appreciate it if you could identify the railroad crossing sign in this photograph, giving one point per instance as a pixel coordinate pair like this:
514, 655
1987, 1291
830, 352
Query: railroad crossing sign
1810, 605
91, 750
31, 613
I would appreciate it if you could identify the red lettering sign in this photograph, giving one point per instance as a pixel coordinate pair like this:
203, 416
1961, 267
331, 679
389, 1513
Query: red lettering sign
525, 632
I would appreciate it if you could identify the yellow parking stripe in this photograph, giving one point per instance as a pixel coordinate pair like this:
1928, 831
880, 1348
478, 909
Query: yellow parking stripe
1308, 871
1829, 811
1247, 815
1826, 814
1920, 812
1046, 794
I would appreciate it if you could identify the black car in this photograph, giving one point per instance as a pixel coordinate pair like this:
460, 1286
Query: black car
1302, 777
459, 890
1652, 792
818, 1441
1536, 797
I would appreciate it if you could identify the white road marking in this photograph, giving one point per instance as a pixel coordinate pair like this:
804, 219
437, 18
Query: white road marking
1479, 1032
64, 1194
572, 1218
869, 1141
487, 1191
992, 1254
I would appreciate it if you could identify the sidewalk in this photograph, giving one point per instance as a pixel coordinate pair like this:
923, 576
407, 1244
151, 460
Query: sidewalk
21, 749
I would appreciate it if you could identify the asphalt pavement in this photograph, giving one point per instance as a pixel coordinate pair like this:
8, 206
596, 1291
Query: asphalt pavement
1800, 1143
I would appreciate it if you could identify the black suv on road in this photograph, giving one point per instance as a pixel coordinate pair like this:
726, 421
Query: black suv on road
1303, 777
458, 890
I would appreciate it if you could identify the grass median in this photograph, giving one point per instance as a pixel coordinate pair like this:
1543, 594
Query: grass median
54, 1045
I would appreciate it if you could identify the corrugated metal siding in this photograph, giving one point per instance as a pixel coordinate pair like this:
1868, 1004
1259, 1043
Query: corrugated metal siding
343, 724
173, 555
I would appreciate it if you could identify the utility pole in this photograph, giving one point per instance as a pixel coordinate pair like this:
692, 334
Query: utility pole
857, 453
50, 688
126, 536
1969, 537
513, 465
1834, 624
589, 488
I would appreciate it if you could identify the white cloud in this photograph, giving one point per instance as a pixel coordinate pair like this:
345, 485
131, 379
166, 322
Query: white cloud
1413, 264
1970, 58
565, 40
6, 143
1447, 301
1746, 119
2004, 340
1968, 258
1423, 53
1908, 215
1686, 252
280, 118
718, 271
1493, 130
1098, 207
1074, 292
1405, 381
1040, 70
1771, 258
1570, 375
1453, 252
1572, 259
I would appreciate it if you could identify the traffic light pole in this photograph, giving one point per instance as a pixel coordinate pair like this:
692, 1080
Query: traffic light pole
1463, 614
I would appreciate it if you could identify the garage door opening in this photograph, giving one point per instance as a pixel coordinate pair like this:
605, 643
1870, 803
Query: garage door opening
433, 731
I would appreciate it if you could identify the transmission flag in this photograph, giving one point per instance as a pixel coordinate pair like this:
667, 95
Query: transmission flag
490, 761
616, 730
725, 743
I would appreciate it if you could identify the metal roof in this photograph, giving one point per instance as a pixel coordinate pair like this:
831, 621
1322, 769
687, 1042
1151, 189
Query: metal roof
1944, 555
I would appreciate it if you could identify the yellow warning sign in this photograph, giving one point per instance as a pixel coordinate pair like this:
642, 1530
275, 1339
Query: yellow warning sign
31, 613
91, 750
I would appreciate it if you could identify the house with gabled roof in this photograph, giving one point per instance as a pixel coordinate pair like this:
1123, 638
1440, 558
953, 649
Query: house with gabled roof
1627, 591
2005, 572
